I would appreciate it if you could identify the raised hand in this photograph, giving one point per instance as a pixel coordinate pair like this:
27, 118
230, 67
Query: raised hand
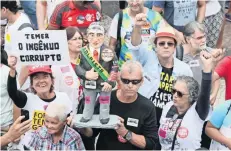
140, 19
218, 54
12, 61
207, 60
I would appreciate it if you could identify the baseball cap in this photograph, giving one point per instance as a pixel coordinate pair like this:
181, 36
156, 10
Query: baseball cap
95, 27
36, 69
165, 31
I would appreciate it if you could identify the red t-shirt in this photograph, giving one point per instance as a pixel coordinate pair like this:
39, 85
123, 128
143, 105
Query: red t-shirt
67, 14
224, 70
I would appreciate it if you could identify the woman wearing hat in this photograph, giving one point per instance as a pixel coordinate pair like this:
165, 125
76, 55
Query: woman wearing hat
42, 85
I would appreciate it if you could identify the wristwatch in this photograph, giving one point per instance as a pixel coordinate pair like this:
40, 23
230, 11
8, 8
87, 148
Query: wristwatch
128, 136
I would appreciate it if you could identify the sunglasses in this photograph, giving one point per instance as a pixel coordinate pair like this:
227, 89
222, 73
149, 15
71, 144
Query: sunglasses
163, 43
134, 82
179, 94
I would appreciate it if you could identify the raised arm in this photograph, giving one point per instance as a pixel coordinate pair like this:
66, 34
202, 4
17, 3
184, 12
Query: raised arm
215, 123
201, 4
203, 104
18, 97
140, 20
41, 7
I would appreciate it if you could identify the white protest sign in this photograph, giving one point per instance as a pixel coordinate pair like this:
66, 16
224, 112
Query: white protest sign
45, 47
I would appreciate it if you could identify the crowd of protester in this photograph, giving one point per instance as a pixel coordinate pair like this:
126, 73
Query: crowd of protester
170, 58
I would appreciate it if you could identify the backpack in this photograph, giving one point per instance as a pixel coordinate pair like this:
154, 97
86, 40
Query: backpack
179, 52
118, 43
25, 25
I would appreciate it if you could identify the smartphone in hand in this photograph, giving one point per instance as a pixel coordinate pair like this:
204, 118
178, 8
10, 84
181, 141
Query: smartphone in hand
26, 114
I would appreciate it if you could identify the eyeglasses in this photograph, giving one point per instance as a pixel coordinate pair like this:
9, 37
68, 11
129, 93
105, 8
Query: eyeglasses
200, 37
127, 81
179, 94
163, 43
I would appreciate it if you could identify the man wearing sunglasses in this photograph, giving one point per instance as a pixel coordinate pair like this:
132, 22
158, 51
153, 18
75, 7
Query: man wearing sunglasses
160, 65
137, 128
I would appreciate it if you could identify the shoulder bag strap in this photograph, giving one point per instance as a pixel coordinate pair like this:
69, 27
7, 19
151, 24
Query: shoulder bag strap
118, 32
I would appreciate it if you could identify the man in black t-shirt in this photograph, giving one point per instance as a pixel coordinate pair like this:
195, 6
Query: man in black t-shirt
137, 128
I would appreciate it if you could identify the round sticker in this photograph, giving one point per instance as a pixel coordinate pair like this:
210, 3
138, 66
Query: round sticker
182, 132
8, 39
107, 55
69, 80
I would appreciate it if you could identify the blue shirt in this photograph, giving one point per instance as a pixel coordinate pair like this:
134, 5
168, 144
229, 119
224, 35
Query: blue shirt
220, 117
178, 12
152, 69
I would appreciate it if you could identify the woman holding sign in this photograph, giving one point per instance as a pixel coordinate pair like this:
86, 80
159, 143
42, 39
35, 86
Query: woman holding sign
42, 85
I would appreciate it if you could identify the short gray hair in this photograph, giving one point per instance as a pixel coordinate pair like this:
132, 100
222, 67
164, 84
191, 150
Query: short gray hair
191, 27
58, 110
132, 65
192, 86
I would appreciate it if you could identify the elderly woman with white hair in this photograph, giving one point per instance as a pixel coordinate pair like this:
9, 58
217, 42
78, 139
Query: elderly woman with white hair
55, 134
182, 119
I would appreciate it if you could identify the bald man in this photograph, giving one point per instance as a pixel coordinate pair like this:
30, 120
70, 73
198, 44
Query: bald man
137, 128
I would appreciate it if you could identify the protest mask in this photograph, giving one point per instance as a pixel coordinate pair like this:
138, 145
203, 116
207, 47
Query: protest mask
95, 35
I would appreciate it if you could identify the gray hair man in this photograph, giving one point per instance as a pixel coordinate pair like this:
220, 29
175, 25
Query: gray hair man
195, 36
137, 128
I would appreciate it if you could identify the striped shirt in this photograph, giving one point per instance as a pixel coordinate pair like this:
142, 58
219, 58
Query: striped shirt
42, 140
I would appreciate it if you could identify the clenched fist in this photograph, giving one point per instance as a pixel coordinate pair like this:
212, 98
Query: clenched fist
140, 19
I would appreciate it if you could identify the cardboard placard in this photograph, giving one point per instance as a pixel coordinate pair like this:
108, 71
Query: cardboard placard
45, 47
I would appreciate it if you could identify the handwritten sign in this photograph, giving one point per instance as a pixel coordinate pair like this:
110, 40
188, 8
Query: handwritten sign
38, 119
41, 47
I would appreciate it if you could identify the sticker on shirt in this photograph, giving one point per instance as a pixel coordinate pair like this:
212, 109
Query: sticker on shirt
80, 19
121, 139
184, 11
98, 16
132, 122
145, 31
162, 133
127, 37
194, 63
69, 80
182, 132
38, 119
65, 69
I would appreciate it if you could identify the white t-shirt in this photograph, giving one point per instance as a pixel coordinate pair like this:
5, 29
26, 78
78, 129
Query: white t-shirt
23, 18
37, 107
67, 81
51, 4
212, 7
6, 102
189, 133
